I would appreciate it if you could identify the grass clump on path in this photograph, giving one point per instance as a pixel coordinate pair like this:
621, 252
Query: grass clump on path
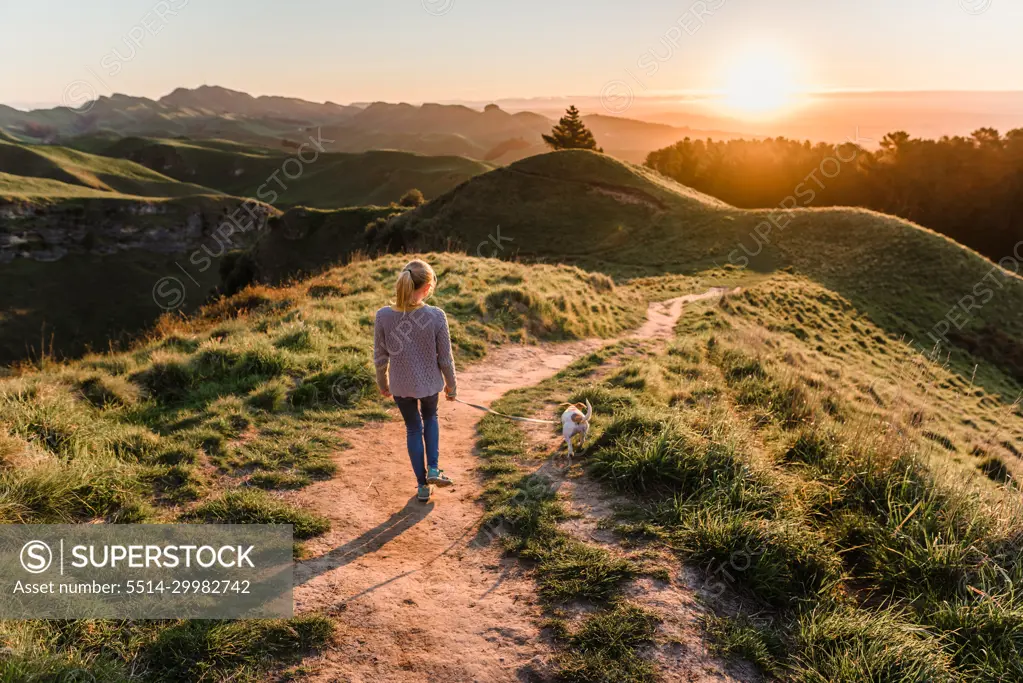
524, 512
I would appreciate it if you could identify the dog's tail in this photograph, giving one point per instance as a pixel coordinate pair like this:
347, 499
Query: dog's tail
589, 410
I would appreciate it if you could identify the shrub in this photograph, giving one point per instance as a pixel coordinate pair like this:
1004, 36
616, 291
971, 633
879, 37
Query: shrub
134, 444
985, 640
262, 361
326, 291
572, 570
303, 339
812, 446
177, 483
759, 643
604, 400
412, 199
279, 480
51, 492
344, 385
672, 461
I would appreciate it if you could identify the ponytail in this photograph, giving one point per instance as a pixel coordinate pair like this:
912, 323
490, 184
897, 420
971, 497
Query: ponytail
413, 276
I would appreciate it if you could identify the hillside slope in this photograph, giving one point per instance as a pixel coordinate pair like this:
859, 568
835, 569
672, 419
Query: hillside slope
214, 418
843, 509
583, 207
330, 180
88, 171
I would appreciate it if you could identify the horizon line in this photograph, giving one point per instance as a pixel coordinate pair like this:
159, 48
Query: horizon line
29, 107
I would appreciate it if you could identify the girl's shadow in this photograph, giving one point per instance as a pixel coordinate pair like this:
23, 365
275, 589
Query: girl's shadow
369, 542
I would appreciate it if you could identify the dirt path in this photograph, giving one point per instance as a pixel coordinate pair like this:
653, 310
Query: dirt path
419, 600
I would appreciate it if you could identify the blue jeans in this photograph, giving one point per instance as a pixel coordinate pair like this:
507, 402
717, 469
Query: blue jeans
419, 429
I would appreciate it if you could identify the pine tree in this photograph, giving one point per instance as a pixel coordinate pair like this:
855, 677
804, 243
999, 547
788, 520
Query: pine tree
571, 133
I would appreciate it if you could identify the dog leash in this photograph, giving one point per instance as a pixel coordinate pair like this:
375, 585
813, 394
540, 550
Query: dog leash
510, 417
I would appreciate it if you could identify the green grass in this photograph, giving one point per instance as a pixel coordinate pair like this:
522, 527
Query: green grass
158, 651
586, 208
51, 171
45, 309
209, 417
798, 459
837, 535
334, 180
605, 647
256, 507
524, 511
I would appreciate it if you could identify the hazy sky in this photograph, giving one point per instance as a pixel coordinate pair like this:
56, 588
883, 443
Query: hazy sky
416, 50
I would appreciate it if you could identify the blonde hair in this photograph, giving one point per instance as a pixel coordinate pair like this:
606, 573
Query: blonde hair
414, 275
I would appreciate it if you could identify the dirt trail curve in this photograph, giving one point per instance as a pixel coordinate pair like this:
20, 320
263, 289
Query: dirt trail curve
418, 599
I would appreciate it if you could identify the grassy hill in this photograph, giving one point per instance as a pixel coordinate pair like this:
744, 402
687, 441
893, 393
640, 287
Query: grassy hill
868, 493
333, 180
204, 420
845, 510
125, 224
590, 209
83, 170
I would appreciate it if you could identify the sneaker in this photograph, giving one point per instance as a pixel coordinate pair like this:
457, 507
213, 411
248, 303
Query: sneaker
435, 476
424, 494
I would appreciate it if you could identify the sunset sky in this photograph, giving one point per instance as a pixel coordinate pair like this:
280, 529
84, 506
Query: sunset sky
416, 50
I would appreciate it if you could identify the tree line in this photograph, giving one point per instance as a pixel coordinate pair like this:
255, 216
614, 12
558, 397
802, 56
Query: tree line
968, 188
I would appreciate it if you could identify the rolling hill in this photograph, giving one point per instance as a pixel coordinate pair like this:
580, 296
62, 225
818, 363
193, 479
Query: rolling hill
330, 180
127, 214
790, 427
88, 171
591, 209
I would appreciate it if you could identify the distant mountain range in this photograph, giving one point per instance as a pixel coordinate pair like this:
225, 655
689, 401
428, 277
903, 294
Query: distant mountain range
213, 112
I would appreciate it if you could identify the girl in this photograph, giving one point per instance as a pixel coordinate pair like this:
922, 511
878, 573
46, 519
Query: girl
413, 339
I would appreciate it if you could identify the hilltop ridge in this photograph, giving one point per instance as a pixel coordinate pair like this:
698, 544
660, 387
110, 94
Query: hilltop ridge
430, 128
587, 208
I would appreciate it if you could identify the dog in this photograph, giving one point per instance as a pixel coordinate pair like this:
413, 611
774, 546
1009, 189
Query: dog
575, 421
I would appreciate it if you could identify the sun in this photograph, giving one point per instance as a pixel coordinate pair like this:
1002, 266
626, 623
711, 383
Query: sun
760, 84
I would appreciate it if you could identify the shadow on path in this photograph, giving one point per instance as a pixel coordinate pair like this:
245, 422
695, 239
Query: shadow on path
371, 541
